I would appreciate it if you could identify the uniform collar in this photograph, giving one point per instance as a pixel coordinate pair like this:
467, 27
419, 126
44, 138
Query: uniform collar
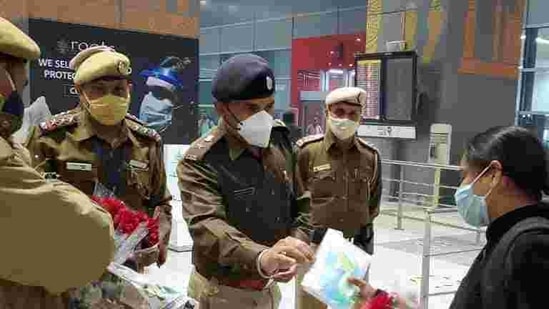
6, 148
84, 130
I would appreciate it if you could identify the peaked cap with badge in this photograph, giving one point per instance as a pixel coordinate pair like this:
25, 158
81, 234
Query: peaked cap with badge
350, 95
98, 62
242, 78
16, 43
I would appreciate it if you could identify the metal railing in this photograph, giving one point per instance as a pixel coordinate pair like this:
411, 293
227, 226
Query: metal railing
430, 205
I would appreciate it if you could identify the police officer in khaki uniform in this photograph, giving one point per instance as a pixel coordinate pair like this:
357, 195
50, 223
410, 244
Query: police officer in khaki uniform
343, 174
53, 236
237, 189
98, 142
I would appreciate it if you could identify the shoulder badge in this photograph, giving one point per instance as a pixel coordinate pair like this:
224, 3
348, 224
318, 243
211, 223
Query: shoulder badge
279, 123
144, 131
133, 118
302, 142
367, 145
58, 121
201, 146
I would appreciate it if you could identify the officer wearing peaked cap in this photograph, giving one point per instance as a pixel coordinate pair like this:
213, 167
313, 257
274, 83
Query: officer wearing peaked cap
100, 143
238, 196
51, 228
342, 172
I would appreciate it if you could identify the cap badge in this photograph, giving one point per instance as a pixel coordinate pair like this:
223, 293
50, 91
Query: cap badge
124, 68
269, 83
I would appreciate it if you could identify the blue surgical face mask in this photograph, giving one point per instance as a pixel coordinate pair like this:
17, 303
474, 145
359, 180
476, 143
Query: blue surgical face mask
156, 113
471, 207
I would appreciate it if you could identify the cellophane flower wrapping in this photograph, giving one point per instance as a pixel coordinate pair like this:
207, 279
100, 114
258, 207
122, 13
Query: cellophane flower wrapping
120, 286
336, 261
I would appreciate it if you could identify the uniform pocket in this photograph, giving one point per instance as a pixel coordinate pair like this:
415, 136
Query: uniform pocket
82, 175
360, 180
140, 180
323, 183
321, 210
360, 194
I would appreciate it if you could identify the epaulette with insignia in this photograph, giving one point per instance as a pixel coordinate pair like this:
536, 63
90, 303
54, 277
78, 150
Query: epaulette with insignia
132, 117
144, 131
279, 123
57, 121
368, 145
201, 146
302, 142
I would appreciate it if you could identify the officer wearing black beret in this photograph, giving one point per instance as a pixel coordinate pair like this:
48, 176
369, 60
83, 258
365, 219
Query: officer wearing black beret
238, 195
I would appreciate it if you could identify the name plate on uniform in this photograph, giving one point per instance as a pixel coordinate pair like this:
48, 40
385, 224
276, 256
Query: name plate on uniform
74, 166
138, 164
320, 168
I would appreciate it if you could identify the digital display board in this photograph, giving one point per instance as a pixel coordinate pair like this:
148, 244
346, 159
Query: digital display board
369, 78
390, 83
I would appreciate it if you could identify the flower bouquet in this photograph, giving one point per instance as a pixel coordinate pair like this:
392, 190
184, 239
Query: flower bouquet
121, 286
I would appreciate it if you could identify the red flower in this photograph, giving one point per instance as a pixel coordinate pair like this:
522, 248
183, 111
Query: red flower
381, 301
126, 220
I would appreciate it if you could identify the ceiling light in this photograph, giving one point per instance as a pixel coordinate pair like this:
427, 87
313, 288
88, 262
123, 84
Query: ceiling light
329, 63
351, 65
358, 40
340, 65
232, 8
331, 52
522, 37
203, 2
334, 71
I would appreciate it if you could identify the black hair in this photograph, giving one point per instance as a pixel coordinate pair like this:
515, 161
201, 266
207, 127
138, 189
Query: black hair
520, 152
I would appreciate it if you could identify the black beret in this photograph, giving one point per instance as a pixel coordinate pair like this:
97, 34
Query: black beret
243, 77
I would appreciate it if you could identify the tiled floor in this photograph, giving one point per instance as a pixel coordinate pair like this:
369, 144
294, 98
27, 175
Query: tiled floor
396, 262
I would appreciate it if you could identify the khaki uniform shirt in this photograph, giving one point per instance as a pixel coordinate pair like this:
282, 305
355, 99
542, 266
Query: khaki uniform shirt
345, 184
237, 201
53, 236
68, 147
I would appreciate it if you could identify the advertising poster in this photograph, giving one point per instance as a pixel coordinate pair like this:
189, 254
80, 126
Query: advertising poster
314, 118
170, 59
207, 118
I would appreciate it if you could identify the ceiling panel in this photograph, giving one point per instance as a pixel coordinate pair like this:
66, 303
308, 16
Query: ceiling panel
220, 12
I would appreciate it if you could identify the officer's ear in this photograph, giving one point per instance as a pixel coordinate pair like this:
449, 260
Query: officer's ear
79, 90
220, 108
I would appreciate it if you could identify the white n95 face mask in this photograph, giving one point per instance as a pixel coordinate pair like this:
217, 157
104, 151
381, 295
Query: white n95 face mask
256, 129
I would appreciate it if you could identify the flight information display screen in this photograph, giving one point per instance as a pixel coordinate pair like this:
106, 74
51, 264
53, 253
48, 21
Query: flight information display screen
399, 89
369, 78
390, 83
